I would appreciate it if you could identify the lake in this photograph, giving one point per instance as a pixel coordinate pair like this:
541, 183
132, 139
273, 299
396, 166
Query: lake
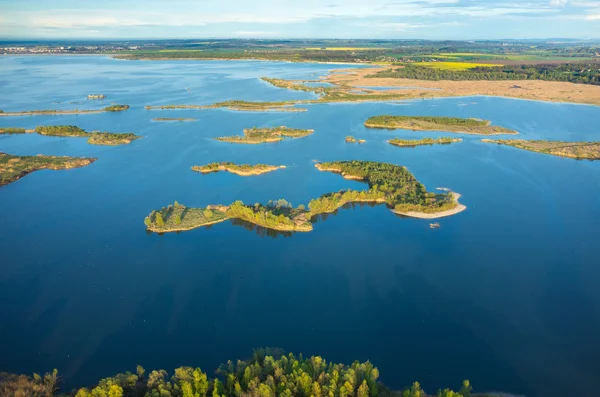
504, 294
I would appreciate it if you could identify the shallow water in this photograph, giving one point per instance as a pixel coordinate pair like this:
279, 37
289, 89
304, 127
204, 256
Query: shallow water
504, 294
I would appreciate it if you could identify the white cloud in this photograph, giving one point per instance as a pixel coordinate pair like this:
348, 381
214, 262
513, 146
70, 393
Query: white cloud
558, 3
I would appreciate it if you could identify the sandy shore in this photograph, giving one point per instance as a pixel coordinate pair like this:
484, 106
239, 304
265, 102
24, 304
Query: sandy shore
239, 172
552, 91
422, 215
183, 229
51, 113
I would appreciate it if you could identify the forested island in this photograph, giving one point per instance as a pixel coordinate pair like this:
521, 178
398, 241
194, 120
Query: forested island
238, 169
277, 215
16, 167
112, 108
389, 184
434, 123
351, 139
424, 141
575, 150
94, 137
238, 105
268, 373
262, 135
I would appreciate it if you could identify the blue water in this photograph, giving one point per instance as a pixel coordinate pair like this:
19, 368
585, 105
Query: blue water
504, 294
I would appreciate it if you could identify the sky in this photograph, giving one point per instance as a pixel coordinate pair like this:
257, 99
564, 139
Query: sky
389, 19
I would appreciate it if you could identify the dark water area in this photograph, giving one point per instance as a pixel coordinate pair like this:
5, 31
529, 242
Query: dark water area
504, 294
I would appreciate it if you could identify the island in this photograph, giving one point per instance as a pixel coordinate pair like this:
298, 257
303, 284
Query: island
94, 138
278, 215
271, 371
424, 141
262, 135
242, 169
14, 130
239, 105
389, 184
173, 119
575, 150
351, 139
57, 112
13, 168
96, 96
433, 123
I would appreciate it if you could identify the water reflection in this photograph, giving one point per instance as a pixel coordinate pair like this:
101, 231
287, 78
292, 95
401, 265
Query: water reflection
260, 231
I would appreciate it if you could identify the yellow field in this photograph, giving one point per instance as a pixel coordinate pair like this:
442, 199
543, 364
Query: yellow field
453, 65
344, 48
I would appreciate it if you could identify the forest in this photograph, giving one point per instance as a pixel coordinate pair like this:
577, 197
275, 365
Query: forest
577, 72
268, 373
262, 135
424, 141
390, 183
94, 138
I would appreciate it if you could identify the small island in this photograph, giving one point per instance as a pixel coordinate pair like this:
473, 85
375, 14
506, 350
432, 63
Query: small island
351, 139
277, 215
112, 108
431, 123
424, 141
13, 168
262, 135
389, 184
241, 169
173, 119
94, 138
574, 150
96, 96
244, 106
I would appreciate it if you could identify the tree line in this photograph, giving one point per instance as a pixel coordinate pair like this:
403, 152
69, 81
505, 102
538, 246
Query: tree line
269, 373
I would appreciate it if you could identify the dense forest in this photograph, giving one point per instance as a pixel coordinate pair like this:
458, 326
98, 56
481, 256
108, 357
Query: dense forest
582, 73
269, 373
390, 183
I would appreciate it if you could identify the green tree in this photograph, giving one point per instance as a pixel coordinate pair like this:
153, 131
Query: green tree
208, 213
159, 219
177, 219
466, 388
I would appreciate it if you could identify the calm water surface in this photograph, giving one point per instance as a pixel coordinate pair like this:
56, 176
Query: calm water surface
505, 294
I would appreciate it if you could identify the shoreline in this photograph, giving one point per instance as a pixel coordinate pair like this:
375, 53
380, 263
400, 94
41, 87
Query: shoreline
434, 215
238, 172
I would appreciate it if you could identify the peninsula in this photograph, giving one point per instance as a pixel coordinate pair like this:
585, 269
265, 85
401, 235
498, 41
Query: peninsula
94, 138
432, 123
112, 108
388, 184
16, 167
575, 150
262, 135
242, 169
424, 141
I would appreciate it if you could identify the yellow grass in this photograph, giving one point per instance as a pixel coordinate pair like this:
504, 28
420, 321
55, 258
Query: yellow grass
453, 65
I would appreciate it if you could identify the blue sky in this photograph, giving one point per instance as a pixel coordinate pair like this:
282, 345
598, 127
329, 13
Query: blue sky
395, 19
